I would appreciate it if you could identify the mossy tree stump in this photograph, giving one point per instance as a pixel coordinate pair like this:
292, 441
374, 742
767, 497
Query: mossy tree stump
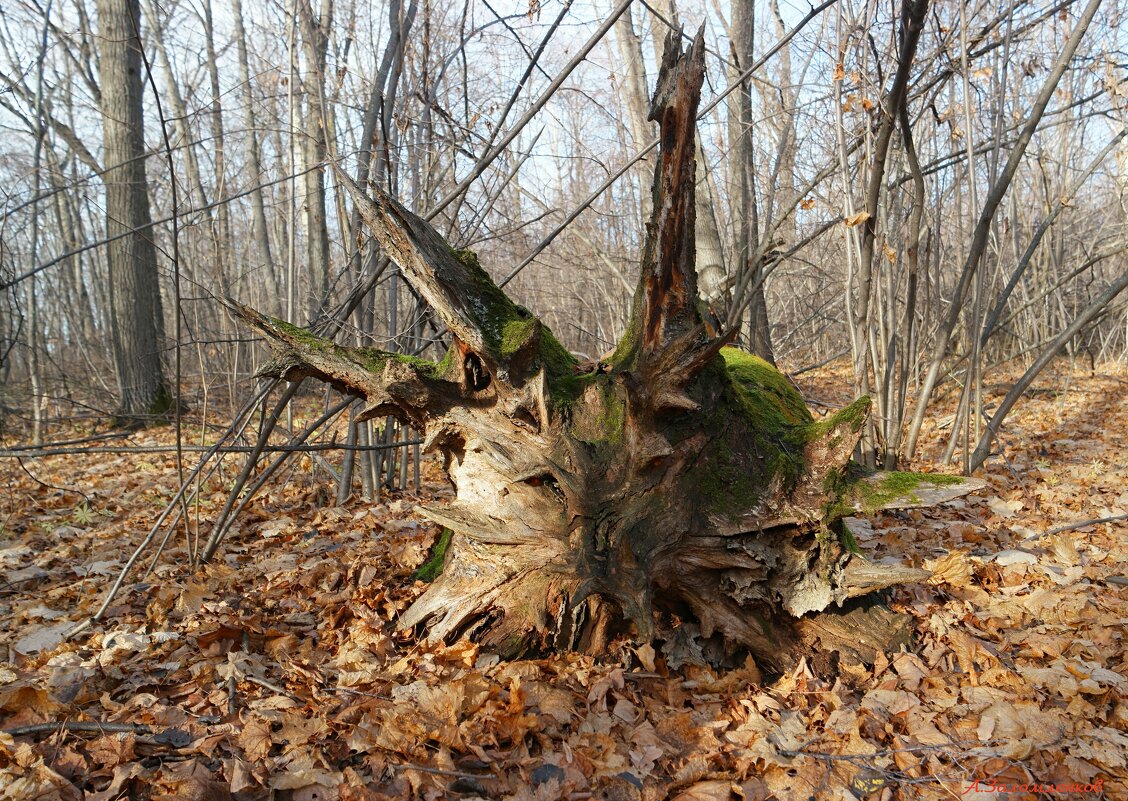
679, 481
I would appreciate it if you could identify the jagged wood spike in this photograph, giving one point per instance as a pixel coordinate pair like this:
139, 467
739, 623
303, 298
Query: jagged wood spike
450, 284
665, 306
862, 578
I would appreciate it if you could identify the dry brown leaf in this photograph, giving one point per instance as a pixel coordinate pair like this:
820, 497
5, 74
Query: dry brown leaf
42, 639
111, 750
713, 790
256, 739
645, 654
558, 704
39, 783
192, 597
297, 729
910, 669
23, 697
1004, 509
889, 702
122, 774
239, 775
191, 781
953, 569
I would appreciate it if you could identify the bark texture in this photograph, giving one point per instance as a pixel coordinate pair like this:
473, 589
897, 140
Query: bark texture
681, 489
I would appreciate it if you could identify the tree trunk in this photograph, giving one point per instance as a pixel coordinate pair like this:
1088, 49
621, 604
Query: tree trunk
137, 324
315, 42
680, 489
748, 250
254, 160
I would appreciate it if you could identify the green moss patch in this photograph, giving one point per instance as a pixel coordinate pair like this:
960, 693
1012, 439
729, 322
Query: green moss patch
777, 417
874, 496
767, 395
433, 567
729, 484
851, 417
601, 418
371, 359
846, 538
761, 425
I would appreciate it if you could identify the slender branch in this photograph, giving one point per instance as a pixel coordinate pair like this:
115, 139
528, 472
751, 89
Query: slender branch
645, 151
518, 126
92, 727
70, 254
1096, 521
209, 449
1024, 262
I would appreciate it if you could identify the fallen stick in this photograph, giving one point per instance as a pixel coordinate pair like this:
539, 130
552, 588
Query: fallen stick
92, 726
1078, 524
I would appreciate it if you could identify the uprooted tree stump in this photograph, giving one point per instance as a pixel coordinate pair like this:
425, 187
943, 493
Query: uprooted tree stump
677, 487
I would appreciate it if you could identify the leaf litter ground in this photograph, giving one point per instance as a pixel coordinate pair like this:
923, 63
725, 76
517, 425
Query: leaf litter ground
276, 671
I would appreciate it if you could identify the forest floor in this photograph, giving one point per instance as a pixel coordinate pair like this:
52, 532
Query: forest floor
276, 671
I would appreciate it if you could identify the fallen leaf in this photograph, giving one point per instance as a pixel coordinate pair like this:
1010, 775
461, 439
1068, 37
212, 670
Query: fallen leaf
953, 569
42, 639
256, 740
713, 790
1004, 509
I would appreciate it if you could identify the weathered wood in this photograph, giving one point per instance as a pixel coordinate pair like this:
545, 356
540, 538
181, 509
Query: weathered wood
679, 480
909, 490
496, 338
666, 299
410, 389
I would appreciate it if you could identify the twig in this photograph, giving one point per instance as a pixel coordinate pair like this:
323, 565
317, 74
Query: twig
441, 772
231, 705
210, 449
1078, 524
644, 152
912, 749
92, 726
63, 258
44, 484
350, 691
823, 363
232, 431
272, 687
79, 441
